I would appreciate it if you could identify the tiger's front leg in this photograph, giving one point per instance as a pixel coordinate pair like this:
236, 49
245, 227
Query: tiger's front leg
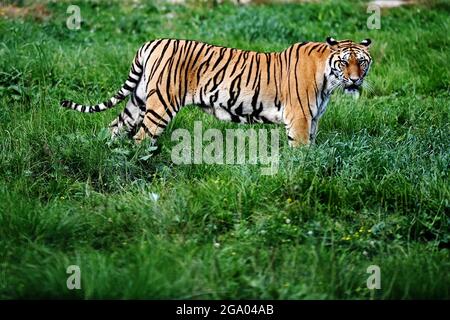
313, 130
298, 125
298, 132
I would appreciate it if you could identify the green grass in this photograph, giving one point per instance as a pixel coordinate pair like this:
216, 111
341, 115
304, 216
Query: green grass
374, 190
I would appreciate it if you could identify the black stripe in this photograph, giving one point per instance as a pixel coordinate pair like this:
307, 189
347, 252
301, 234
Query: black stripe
157, 63
296, 80
323, 48
222, 52
249, 71
258, 71
119, 96
127, 87
313, 48
166, 108
157, 116
268, 67
134, 71
204, 63
135, 81
309, 106
140, 102
108, 104
236, 64
221, 74
147, 131
128, 113
189, 57
162, 126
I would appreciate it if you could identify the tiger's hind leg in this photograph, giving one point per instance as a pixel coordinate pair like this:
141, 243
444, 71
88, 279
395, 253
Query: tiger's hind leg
157, 116
129, 119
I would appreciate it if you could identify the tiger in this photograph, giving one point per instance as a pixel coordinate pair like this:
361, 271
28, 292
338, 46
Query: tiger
291, 87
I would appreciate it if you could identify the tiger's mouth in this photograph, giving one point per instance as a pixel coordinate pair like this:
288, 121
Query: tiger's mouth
352, 89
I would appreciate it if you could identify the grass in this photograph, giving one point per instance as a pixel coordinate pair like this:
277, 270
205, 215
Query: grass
374, 190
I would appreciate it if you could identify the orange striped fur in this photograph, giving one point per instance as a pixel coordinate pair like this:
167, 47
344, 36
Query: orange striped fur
291, 87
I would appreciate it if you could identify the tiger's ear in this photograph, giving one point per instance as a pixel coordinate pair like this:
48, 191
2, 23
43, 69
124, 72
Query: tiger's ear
332, 42
366, 43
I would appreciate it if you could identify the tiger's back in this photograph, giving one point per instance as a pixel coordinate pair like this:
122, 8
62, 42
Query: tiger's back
232, 84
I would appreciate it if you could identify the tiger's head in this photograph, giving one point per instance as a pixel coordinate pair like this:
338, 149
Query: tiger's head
349, 63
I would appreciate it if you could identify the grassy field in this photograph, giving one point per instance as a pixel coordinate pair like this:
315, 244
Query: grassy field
374, 190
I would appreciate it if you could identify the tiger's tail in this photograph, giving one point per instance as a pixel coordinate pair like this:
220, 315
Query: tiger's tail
128, 87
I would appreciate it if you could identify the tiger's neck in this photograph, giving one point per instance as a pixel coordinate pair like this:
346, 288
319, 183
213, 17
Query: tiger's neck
305, 79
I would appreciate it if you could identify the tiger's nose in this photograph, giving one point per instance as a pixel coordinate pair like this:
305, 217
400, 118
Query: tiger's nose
354, 80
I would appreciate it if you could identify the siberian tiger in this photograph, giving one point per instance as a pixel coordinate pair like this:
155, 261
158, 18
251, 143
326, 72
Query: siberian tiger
291, 87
